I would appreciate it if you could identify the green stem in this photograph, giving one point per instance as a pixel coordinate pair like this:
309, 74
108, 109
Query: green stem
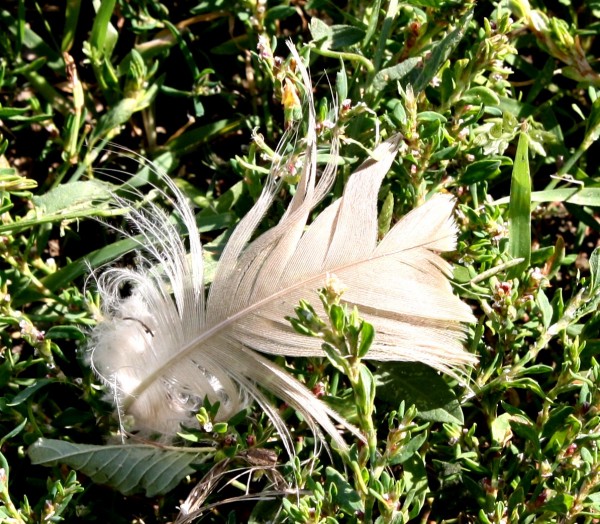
353, 57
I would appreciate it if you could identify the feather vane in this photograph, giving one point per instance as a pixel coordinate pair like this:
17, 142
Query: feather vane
165, 347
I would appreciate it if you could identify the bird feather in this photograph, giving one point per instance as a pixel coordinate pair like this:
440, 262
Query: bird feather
171, 343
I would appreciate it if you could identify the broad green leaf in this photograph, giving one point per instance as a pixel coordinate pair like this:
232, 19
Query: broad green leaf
594, 499
519, 210
72, 417
526, 383
73, 196
557, 421
118, 115
415, 477
344, 495
151, 172
431, 116
562, 503
65, 332
280, 12
420, 385
127, 468
500, 429
480, 95
334, 36
394, 73
67, 202
481, 170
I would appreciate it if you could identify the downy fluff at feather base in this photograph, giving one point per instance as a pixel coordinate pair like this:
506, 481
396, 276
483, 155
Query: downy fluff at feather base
170, 344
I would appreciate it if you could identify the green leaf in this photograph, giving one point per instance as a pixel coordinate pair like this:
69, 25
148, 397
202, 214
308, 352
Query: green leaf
334, 36
29, 391
415, 477
500, 429
367, 335
431, 116
480, 95
557, 421
481, 170
74, 196
102, 28
545, 308
72, 10
36, 45
409, 450
440, 53
127, 468
337, 316
14, 432
66, 202
280, 12
562, 503
582, 196
526, 383
72, 417
341, 83
594, 499
594, 270
65, 332
365, 389
384, 221
394, 73
344, 495
420, 385
519, 211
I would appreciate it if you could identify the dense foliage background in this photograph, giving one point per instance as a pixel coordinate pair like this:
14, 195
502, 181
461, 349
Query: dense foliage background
497, 103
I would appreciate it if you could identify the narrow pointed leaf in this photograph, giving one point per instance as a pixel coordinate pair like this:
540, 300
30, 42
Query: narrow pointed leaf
519, 211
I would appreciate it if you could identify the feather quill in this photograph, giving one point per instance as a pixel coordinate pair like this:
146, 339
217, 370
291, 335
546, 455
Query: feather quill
168, 345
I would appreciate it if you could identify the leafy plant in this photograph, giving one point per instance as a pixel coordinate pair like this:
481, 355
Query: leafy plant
497, 104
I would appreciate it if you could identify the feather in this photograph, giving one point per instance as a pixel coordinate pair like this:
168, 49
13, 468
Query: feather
170, 344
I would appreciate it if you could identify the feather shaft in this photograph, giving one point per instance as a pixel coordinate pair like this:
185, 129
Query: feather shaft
164, 348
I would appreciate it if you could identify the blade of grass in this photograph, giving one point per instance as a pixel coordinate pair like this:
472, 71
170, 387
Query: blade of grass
390, 15
100, 27
519, 210
582, 196
72, 9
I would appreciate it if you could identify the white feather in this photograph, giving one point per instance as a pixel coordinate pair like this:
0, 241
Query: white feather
164, 348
